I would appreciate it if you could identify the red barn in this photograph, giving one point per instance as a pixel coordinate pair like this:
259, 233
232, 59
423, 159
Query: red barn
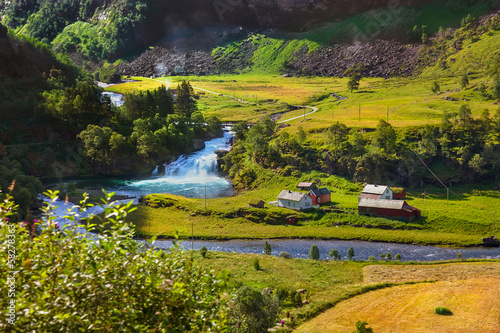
320, 196
398, 193
393, 209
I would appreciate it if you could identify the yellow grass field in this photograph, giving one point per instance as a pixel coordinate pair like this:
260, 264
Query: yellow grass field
470, 290
442, 272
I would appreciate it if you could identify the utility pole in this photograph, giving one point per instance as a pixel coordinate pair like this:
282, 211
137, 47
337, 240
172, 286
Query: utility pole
494, 224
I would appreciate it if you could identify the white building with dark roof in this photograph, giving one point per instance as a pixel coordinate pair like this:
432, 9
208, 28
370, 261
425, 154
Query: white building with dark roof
294, 200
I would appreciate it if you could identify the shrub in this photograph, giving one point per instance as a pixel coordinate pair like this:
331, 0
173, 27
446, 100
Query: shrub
252, 311
314, 252
203, 251
398, 257
361, 327
459, 256
334, 254
382, 256
388, 256
267, 248
441, 310
256, 264
282, 294
372, 258
435, 88
284, 254
350, 254
297, 299
116, 273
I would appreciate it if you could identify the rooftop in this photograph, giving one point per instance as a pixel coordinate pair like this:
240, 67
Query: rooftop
321, 191
382, 203
374, 189
291, 195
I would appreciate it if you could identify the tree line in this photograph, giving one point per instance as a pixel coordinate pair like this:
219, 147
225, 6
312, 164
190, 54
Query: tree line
468, 148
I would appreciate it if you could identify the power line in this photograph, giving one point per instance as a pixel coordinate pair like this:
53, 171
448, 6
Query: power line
434, 174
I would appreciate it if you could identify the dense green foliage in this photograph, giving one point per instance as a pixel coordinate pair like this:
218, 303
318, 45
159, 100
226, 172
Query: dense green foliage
467, 146
67, 282
97, 32
148, 128
107, 74
253, 311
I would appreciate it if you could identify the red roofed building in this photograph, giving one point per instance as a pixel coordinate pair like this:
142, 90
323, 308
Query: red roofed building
393, 209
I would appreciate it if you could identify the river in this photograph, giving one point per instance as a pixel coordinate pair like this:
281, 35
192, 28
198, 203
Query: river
299, 248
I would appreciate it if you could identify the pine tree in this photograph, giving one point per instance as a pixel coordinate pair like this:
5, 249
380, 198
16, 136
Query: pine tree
350, 254
267, 248
314, 252
464, 81
435, 88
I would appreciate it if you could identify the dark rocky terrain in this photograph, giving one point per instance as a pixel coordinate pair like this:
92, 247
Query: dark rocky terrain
381, 58
193, 56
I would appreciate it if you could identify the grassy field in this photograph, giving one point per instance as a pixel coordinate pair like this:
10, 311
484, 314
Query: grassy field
325, 280
334, 283
441, 272
410, 308
461, 221
408, 101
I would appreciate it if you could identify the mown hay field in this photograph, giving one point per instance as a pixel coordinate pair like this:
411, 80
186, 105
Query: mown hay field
469, 290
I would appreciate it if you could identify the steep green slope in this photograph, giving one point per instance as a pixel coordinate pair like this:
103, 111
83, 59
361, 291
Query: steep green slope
278, 52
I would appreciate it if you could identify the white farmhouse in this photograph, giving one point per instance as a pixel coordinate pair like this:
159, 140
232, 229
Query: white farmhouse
376, 192
295, 200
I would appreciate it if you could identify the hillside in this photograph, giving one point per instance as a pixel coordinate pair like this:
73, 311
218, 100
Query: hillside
92, 31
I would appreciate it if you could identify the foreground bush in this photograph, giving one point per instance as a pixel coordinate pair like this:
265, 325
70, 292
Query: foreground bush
66, 282
441, 310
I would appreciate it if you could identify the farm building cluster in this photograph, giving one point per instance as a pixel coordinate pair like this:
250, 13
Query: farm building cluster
382, 201
374, 201
304, 200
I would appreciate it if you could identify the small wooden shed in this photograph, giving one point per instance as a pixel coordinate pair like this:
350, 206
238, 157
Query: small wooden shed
291, 219
256, 203
304, 186
398, 193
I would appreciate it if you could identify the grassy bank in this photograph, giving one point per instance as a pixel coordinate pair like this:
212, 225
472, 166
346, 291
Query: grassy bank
461, 221
331, 283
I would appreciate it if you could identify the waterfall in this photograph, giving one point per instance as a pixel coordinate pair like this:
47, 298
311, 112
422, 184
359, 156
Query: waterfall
189, 175
194, 166
155, 172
